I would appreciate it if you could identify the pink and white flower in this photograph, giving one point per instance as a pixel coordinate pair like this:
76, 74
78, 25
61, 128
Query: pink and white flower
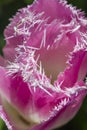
45, 62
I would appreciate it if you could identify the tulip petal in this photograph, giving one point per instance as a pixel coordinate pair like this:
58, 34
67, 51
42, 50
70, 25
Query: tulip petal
36, 17
2, 61
41, 106
61, 11
66, 113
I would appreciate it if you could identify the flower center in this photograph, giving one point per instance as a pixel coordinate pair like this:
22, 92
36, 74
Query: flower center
53, 60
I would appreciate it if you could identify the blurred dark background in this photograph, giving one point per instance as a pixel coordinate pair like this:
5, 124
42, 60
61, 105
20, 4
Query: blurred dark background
8, 8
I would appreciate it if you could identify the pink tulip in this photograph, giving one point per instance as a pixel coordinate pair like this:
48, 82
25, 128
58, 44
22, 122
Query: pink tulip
45, 62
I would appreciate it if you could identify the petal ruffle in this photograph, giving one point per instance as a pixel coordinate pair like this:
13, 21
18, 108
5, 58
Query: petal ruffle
66, 113
29, 21
60, 108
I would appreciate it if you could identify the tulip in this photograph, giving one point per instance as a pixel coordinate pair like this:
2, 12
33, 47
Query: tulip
44, 64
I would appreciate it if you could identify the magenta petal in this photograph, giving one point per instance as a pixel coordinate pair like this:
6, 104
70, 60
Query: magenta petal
19, 90
71, 74
2, 61
9, 52
14, 89
4, 83
62, 116
62, 11
59, 12
9, 49
37, 17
